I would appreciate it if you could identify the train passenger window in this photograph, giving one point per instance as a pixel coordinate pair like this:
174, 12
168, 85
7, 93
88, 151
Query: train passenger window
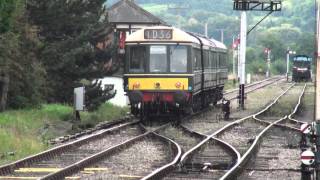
158, 59
178, 59
137, 59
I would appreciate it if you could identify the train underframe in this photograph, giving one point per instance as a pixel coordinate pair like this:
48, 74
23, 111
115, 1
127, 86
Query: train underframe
301, 76
149, 104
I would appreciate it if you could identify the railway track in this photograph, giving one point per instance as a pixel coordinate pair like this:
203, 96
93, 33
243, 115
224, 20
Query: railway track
241, 156
241, 165
70, 158
211, 121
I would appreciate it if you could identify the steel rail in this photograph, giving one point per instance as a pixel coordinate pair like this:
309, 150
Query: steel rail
296, 109
75, 167
228, 126
232, 173
234, 170
259, 87
99, 126
221, 142
156, 174
9, 168
253, 84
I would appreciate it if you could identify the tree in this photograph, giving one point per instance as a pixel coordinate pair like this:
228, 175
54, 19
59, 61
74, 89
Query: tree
70, 32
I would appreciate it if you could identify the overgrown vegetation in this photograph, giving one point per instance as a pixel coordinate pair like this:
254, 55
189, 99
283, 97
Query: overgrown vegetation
25, 132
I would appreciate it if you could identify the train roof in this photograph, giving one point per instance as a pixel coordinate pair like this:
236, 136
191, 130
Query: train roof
177, 36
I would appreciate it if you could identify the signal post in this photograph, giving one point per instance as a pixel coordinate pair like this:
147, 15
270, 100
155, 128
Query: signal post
244, 6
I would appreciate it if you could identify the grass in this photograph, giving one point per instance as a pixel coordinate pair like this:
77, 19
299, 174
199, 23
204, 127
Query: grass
154, 8
25, 132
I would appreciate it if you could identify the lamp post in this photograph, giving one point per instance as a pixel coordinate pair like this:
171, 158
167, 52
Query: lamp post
288, 58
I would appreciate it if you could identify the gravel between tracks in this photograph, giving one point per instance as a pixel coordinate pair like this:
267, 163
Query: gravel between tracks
133, 162
277, 154
242, 136
209, 122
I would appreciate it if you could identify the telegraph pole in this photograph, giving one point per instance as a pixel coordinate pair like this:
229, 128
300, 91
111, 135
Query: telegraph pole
243, 6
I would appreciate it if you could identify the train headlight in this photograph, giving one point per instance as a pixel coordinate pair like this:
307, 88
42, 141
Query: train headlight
136, 85
178, 85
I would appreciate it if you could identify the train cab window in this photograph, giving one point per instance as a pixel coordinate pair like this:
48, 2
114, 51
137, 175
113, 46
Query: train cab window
137, 59
178, 59
158, 59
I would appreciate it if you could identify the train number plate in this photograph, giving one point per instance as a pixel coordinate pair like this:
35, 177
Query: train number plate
160, 34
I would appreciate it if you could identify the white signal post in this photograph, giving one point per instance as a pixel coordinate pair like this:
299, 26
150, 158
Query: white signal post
317, 108
288, 60
243, 43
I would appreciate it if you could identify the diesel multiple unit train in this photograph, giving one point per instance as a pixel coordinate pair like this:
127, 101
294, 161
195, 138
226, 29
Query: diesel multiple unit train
168, 70
301, 70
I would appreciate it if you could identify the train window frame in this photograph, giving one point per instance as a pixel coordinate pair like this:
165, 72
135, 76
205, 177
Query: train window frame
142, 68
186, 59
196, 60
206, 60
149, 59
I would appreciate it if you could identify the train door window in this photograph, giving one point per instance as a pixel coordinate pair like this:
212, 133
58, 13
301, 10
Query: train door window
158, 59
206, 59
218, 60
197, 59
178, 59
137, 59
211, 60
215, 60
221, 60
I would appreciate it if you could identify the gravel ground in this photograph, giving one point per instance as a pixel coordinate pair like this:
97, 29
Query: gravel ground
209, 122
284, 106
132, 163
242, 136
306, 112
278, 151
78, 153
185, 140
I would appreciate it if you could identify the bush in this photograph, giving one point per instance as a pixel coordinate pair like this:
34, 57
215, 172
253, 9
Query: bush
257, 67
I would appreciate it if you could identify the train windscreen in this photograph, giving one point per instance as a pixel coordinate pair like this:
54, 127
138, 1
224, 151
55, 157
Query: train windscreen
178, 59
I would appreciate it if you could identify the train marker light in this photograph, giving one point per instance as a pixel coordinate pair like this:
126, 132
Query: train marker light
157, 85
178, 85
305, 128
136, 85
307, 157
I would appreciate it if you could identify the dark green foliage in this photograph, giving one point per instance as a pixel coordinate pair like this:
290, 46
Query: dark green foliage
95, 95
70, 31
19, 62
7, 9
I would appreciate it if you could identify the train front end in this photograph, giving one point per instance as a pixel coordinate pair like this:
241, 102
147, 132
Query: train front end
157, 78
301, 70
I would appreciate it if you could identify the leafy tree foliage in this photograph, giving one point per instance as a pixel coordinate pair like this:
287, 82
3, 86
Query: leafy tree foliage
70, 32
